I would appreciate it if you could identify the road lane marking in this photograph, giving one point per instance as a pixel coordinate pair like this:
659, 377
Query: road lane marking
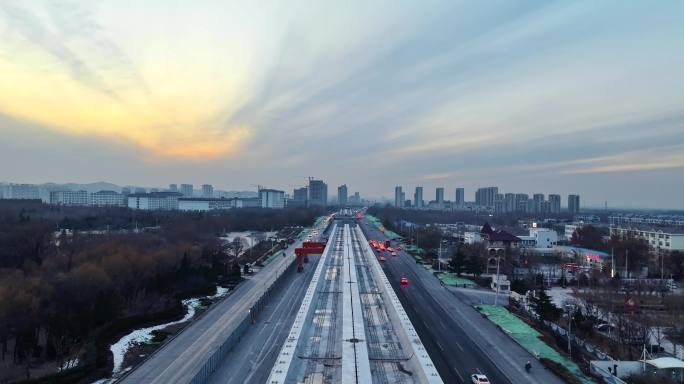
458, 374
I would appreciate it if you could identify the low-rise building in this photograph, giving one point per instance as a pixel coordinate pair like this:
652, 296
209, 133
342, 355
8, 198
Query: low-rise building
107, 199
657, 238
24, 191
69, 198
154, 201
202, 204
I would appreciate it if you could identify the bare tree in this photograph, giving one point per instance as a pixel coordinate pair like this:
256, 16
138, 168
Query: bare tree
235, 248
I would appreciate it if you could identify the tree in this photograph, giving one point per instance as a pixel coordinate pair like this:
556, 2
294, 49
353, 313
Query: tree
520, 286
588, 236
636, 249
542, 304
474, 265
675, 263
235, 247
457, 264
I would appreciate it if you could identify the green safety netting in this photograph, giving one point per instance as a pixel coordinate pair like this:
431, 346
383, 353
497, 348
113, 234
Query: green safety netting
414, 249
452, 279
529, 339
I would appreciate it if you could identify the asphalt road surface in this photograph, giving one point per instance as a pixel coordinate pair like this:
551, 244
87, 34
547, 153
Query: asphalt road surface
182, 357
459, 340
251, 360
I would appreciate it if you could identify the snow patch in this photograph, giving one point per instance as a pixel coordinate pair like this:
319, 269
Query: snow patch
142, 335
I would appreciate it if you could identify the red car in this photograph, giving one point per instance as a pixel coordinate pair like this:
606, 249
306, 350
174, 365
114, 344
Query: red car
382, 258
403, 281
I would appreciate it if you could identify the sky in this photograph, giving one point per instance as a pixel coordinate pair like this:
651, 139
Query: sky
532, 96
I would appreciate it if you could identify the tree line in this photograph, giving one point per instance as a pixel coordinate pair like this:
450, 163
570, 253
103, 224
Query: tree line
67, 291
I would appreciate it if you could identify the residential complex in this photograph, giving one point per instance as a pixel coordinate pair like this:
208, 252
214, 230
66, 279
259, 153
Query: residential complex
489, 199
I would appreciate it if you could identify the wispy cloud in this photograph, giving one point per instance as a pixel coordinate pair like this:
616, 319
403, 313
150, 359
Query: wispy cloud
381, 92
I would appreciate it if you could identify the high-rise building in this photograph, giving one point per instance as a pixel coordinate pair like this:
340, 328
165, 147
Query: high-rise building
460, 197
125, 191
418, 198
439, 196
509, 202
555, 203
398, 197
272, 198
207, 190
342, 195
173, 187
521, 202
485, 196
186, 190
300, 196
318, 193
499, 203
573, 204
356, 199
538, 201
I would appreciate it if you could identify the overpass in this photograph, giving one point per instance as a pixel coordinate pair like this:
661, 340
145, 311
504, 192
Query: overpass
350, 327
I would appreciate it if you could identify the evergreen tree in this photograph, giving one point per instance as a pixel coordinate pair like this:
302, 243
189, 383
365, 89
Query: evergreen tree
542, 304
457, 264
474, 265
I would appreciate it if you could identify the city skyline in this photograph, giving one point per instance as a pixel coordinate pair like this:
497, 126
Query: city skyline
580, 97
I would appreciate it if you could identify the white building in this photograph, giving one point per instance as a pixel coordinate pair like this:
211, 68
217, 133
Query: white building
24, 191
571, 228
658, 238
69, 198
107, 199
272, 198
472, 237
544, 237
204, 204
154, 201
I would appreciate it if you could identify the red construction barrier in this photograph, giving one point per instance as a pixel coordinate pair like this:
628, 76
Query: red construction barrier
308, 248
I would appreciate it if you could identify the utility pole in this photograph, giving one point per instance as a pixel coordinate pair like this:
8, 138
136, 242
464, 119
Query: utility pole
570, 315
496, 298
627, 263
439, 256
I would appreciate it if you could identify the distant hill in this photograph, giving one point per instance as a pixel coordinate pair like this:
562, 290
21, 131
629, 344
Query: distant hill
89, 187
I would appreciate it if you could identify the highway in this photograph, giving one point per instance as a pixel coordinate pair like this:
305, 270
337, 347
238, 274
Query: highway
459, 340
252, 359
350, 327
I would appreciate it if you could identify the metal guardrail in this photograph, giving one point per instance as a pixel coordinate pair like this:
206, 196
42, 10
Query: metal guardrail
217, 357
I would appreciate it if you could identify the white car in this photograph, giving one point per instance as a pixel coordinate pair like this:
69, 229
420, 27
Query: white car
479, 379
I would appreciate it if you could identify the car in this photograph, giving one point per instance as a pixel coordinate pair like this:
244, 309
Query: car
403, 281
478, 378
382, 258
393, 253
